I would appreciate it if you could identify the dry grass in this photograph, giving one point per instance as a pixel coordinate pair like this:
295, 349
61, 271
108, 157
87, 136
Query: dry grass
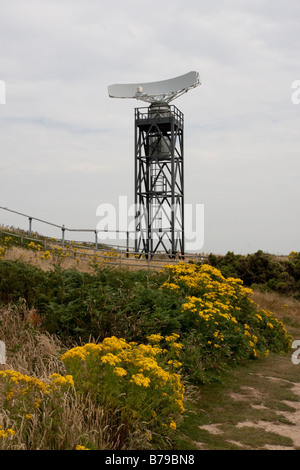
286, 309
34, 258
83, 261
28, 350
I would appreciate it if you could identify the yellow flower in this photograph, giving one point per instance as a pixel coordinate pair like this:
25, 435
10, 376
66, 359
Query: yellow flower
140, 380
173, 425
77, 352
172, 337
10, 395
177, 346
175, 363
37, 403
62, 381
7, 433
170, 285
120, 371
155, 338
110, 359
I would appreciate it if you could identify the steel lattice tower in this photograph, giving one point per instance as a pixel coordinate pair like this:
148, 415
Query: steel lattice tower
159, 183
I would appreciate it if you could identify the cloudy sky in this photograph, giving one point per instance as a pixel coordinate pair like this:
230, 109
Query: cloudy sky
66, 147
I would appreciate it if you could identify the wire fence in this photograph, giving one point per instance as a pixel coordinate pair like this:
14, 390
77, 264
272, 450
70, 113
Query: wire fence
95, 251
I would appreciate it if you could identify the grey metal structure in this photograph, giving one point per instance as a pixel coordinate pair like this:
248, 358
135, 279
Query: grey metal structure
159, 157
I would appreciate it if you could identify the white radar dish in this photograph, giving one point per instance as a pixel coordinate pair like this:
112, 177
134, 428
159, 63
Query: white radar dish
163, 91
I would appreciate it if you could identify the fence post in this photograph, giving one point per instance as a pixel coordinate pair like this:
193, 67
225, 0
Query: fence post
30, 226
63, 235
96, 240
127, 244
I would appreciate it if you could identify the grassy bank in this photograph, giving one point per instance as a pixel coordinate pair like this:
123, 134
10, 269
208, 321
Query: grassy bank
152, 337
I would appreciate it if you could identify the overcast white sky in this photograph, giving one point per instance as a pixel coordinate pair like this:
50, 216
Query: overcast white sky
66, 147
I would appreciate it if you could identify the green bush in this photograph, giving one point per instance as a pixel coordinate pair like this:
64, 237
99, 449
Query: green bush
262, 269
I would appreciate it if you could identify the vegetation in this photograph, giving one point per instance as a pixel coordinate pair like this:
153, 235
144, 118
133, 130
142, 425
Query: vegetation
124, 350
262, 270
113, 395
216, 319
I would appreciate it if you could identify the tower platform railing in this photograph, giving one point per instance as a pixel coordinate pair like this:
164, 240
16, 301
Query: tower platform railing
163, 114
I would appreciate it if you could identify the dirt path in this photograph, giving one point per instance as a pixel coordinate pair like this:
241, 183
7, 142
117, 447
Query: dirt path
289, 429
256, 407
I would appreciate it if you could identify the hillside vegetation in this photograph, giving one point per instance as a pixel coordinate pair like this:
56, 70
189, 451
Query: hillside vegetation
106, 359
263, 271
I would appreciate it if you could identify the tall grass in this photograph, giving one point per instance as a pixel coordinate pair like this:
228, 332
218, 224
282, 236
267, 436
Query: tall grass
287, 308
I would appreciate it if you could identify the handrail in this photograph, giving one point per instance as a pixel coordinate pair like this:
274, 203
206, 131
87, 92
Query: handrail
64, 229
63, 226
121, 251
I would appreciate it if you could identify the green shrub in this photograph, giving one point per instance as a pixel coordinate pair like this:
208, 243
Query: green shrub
262, 269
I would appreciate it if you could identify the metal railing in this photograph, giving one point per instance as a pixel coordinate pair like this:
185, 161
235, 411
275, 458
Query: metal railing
65, 229
163, 114
94, 251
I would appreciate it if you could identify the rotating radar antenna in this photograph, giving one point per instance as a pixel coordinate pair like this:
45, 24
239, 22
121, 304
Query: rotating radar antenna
159, 182
163, 91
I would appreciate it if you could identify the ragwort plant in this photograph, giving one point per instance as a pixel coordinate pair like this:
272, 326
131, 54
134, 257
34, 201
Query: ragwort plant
221, 322
138, 383
27, 400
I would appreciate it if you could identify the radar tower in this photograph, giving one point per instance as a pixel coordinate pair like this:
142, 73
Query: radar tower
159, 172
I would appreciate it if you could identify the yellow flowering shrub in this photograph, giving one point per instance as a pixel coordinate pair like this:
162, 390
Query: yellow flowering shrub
220, 321
139, 380
20, 391
24, 398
